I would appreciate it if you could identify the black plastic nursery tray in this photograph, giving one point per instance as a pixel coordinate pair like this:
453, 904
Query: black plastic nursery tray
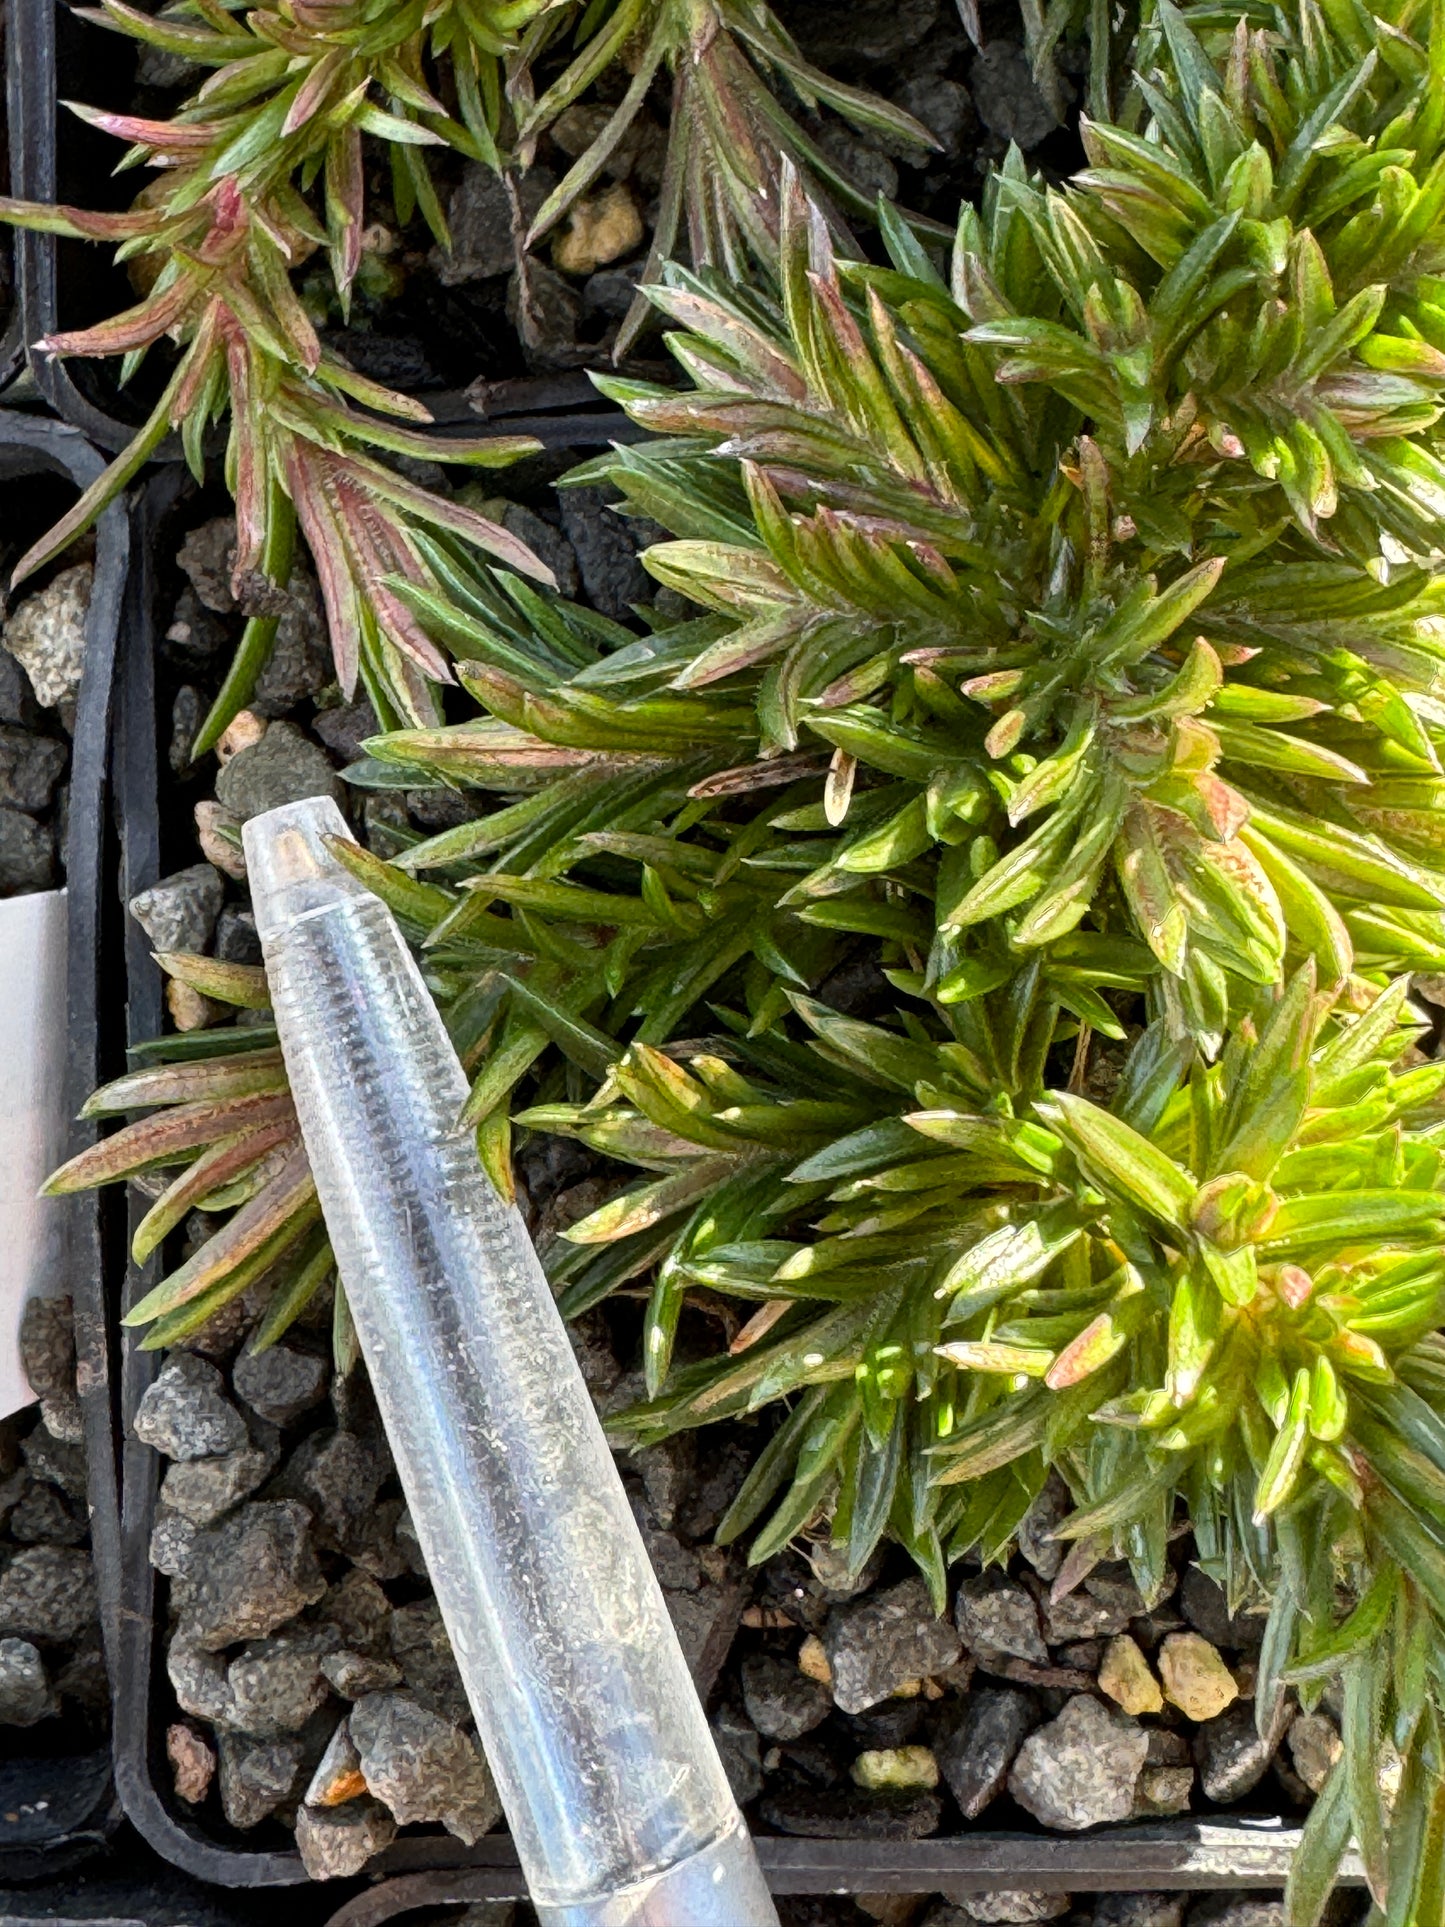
12, 335
59, 1806
1172, 1858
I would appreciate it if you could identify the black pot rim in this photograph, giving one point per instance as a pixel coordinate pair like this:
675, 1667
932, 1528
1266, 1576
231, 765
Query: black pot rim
30, 445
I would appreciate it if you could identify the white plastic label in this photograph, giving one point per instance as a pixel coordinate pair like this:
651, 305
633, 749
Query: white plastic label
32, 1118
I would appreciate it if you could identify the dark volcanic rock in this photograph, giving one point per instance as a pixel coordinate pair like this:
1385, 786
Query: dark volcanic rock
249, 1575
819, 1813
876, 1645
980, 1743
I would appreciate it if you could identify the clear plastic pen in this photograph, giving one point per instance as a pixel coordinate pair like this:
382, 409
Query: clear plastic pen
616, 1799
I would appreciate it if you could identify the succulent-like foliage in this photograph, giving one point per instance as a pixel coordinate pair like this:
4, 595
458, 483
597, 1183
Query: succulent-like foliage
215, 241
1075, 543
729, 136
264, 165
1224, 1286
981, 926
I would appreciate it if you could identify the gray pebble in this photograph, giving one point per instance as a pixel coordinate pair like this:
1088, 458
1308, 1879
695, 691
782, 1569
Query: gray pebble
180, 912
199, 1682
30, 768
25, 1694
173, 1541
1138, 1910
943, 106
300, 663
345, 727
185, 1413
353, 1675
858, 160
47, 1594
865, 34
890, 1637
1204, 1605
479, 215
17, 698
553, 310
42, 1517
611, 291
256, 1776
281, 1382
237, 940
1012, 1907
1008, 102
742, 1758
249, 1575
195, 635
276, 1684
336, 1842
421, 1648
996, 1615
547, 543
422, 1767
47, 1346
338, 1475
1231, 1754
60, 1462
1079, 1770
188, 712
1080, 1615
205, 557
203, 1490
606, 555
27, 853
46, 635
782, 1702
359, 1610
63, 1419
980, 1742
706, 1620
283, 767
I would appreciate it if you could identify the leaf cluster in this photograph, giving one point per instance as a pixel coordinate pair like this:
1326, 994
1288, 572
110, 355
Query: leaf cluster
264, 165
977, 912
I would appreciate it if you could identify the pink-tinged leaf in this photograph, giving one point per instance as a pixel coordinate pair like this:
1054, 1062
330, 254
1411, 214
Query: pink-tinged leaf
171, 35
1227, 809
250, 461
167, 1138
311, 95
336, 373
196, 368
465, 522
762, 359
137, 328
1294, 1285
291, 318
1096, 1344
219, 1166
288, 1200
230, 219
78, 223
306, 482
770, 773
379, 552
182, 136
345, 202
